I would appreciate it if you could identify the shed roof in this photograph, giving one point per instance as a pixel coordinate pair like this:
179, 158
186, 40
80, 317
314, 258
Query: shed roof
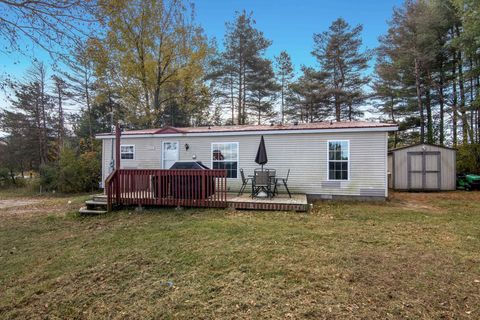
420, 144
267, 128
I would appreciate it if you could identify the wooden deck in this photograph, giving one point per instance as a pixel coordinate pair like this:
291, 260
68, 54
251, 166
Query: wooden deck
281, 202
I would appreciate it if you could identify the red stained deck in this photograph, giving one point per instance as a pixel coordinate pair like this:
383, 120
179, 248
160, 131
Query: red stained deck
188, 188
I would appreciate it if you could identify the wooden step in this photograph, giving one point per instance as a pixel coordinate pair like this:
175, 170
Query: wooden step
99, 197
96, 202
84, 210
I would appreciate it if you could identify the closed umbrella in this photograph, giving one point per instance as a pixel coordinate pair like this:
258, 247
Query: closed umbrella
261, 157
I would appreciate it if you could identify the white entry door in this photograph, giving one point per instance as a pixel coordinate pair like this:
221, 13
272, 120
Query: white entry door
169, 154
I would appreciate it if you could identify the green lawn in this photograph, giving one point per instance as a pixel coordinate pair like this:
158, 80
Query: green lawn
417, 256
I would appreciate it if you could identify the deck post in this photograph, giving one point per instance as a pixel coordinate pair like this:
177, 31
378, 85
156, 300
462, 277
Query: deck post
118, 134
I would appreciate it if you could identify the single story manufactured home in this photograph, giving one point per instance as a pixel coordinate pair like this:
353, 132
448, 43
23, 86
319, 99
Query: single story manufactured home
326, 159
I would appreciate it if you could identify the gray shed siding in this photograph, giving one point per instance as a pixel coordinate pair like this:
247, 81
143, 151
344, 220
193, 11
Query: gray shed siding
399, 169
304, 153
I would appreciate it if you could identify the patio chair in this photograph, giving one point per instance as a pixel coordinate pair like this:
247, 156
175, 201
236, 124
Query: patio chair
245, 182
282, 181
261, 182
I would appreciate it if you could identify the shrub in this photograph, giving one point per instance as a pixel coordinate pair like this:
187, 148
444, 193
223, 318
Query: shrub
5, 178
69, 172
90, 164
73, 172
48, 177
468, 158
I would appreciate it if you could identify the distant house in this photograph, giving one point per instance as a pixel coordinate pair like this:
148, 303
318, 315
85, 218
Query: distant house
327, 160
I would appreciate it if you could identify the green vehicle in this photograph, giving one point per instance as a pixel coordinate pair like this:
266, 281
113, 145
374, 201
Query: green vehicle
468, 182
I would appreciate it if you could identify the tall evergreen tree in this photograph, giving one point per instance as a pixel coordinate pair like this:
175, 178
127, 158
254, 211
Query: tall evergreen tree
262, 89
285, 74
339, 53
31, 123
244, 47
308, 100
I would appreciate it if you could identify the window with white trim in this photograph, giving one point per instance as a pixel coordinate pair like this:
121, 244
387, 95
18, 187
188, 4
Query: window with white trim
338, 159
225, 156
127, 152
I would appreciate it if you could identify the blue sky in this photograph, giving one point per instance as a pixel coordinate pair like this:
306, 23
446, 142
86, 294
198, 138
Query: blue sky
289, 24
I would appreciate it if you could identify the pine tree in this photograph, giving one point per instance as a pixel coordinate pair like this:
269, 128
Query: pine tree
61, 95
308, 98
339, 54
244, 46
79, 78
262, 89
285, 74
31, 122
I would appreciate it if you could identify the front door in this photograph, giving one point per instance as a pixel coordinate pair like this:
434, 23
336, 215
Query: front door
169, 154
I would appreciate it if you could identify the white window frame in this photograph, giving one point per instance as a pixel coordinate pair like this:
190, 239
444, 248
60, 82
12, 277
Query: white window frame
127, 145
238, 156
328, 159
163, 147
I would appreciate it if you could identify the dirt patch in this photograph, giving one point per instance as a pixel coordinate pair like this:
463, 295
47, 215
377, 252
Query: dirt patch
429, 201
24, 208
11, 203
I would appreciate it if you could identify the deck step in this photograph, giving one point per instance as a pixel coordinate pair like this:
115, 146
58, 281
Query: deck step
84, 210
96, 202
100, 197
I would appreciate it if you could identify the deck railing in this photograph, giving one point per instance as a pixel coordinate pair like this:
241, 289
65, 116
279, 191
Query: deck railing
190, 188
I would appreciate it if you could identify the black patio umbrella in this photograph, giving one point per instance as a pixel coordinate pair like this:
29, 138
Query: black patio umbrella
261, 157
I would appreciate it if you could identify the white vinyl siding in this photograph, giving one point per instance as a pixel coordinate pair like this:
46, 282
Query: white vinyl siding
305, 154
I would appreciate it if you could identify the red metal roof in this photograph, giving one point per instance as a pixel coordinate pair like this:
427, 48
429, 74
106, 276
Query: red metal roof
244, 128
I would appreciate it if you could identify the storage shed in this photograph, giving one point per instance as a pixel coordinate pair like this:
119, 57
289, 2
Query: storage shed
422, 167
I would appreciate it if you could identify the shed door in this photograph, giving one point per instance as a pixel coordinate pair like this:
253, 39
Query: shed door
424, 170
169, 154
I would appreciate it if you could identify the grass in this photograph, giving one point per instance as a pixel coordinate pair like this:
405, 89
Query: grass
416, 256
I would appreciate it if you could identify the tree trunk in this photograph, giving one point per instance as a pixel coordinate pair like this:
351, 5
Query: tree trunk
419, 101
337, 108
39, 130
240, 92
89, 109
244, 102
350, 111
463, 112
44, 119
12, 176
283, 105
428, 108
477, 88
441, 102
466, 129
232, 99
392, 115
61, 121
454, 106
472, 111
